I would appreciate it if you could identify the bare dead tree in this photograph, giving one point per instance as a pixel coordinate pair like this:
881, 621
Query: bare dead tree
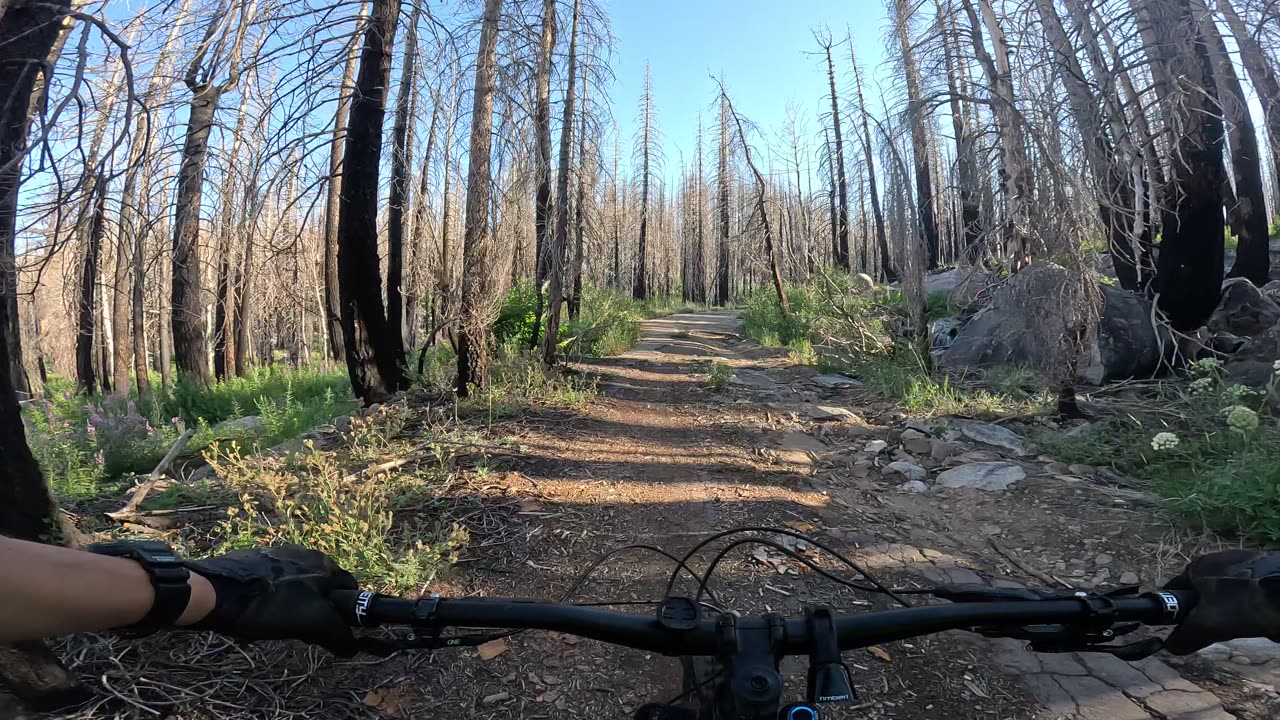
555, 286
474, 311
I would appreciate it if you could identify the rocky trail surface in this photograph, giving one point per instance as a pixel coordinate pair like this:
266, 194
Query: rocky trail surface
658, 457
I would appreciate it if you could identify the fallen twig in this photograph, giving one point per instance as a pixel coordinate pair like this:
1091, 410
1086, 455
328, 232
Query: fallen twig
1018, 563
130, 509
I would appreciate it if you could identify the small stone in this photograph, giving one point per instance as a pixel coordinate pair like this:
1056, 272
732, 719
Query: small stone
1057, 468
834, 381
1103, 559
941, 450
988, 476
991, 529
875, 447
918, 445
995, 435
1130, 578
915, 487
495, 698
974, 456
910, 471
912, 434
825, 413
1080, 469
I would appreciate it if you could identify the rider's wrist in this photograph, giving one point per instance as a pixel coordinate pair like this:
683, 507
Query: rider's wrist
203, 598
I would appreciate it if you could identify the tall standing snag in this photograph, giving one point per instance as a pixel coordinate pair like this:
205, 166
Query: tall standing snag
473, 338
27, 35
770, 248
841, 228
371, 362
190, 345
1189, 269
333, 195
555, 286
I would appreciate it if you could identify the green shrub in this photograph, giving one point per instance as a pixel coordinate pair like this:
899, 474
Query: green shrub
718, 375
515, 321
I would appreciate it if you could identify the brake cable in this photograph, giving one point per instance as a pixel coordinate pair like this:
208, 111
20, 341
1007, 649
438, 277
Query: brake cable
715, 561
876, 585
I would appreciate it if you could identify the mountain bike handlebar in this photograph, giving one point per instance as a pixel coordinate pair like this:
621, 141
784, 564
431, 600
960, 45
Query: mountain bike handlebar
704, 637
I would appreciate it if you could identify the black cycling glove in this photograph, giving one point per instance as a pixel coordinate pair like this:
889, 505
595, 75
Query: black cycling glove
278, 593
1239, 598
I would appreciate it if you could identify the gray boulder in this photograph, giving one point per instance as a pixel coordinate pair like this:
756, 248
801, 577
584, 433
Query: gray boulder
1272, 290
962, 286
246, 425
1263, 347
1026, 320
1243, 309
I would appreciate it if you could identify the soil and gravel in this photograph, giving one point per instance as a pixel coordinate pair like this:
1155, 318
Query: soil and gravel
660, 458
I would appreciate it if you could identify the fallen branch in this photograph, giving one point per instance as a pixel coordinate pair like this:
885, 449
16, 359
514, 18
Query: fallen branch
130, 509
1008, 555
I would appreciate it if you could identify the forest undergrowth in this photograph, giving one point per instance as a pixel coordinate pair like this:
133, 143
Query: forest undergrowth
1208, 447
379, 490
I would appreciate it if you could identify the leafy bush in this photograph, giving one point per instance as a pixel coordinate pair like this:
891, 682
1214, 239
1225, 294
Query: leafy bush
515, 321
718, 375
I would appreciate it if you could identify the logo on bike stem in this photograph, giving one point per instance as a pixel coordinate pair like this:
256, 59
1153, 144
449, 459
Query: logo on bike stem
362, 606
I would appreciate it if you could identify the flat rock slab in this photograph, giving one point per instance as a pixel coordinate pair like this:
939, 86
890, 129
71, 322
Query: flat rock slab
995, 436
834, 381
753, 379
828, 413
804, 442
988, 476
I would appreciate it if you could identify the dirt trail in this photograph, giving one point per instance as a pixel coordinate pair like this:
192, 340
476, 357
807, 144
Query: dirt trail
659, 458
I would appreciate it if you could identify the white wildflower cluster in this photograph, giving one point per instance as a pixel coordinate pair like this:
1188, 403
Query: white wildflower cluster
1241, 418
1236, 392
1201, 386
1207, 366
1164, 441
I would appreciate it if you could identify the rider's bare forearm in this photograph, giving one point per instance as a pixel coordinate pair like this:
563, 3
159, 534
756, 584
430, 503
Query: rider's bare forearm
49, 591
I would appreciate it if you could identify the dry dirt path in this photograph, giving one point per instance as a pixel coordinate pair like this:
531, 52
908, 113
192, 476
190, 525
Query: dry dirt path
659, 458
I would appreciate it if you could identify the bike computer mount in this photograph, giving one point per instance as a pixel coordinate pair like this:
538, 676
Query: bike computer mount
749, 652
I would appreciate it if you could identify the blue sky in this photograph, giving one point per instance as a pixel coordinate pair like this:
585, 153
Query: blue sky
765, 49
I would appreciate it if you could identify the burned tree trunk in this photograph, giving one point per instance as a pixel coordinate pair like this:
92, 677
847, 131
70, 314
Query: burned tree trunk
333, 194
580, 207
769, 245
86, 376
371, 363
473, 338
919, 137
187, 294
401, 159
1266, 81
27, 511
882, 239
1189, 269
543, 223
1247, 209
841, 228
722, 202
1116, 195
555, 285
640, 288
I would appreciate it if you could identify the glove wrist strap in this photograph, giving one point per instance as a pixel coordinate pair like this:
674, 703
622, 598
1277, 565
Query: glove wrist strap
168, 577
